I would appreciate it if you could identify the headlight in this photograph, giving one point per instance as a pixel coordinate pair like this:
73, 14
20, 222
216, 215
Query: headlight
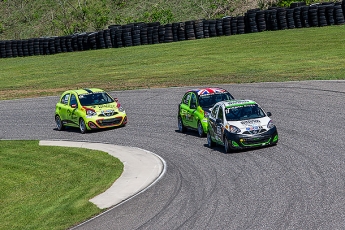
233, 129
121, 109
90, 113
270, 125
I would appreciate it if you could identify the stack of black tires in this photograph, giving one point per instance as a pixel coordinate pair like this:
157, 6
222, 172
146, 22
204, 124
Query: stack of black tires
298, 15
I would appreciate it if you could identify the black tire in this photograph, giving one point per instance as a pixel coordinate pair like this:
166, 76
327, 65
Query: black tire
181, 127
226, 145
210, 142
201, 132
82, 126
59, 125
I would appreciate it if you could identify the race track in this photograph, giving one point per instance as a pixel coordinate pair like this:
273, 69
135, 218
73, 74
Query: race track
298, 184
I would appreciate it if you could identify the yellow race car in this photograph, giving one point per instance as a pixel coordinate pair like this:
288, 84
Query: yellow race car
89, 109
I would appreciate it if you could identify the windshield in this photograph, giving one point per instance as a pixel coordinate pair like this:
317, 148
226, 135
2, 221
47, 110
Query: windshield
209, 100
95, 99
244, 112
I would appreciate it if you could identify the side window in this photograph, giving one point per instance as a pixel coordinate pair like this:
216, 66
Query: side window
186, 99
73, 100
64, 99
214, 111
220, 113
193, 101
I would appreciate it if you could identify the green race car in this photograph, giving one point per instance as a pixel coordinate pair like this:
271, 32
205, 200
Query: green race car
195, 108
88, 109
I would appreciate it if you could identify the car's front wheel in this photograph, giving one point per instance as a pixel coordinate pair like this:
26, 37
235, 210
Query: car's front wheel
227, 147
210, 142
200, 130
59, 125
82, 126
181, 127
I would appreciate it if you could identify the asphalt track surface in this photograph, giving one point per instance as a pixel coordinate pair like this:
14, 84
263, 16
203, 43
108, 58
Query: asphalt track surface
298, 184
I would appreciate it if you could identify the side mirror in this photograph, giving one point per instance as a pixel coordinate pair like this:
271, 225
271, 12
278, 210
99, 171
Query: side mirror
269, 114
116, 99
219, 121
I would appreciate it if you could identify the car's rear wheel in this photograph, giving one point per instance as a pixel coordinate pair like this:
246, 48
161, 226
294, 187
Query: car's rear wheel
82, 126
59, 125
227, 147
200, 130
210, 142
181, 127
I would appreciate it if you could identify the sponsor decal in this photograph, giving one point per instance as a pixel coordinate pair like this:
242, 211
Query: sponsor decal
250, 122
253, 127
229, 107
106, 105
108, 112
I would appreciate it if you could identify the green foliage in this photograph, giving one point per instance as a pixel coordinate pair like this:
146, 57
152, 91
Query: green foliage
72, 17
1, 28
22, 19
287, 3
158, 14
120, 3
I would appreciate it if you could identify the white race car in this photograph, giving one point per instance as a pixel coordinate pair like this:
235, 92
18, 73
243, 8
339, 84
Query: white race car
239, 124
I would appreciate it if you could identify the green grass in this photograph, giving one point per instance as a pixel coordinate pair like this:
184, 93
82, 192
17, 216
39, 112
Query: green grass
298, 54
49, 187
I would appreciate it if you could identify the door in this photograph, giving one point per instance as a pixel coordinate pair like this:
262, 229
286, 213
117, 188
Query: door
212, 121
184, 108
219, 124
63, 106
73, 110
192, 112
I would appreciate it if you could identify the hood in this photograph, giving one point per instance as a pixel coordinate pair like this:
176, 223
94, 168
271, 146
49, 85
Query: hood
105, 109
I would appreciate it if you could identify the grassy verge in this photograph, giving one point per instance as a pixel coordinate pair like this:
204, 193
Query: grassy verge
49, 187
298, 54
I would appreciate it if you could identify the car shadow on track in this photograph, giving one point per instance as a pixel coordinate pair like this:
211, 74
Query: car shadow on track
249, 150
189, 132
76, 130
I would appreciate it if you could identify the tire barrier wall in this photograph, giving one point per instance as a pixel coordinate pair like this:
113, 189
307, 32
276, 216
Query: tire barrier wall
116, 36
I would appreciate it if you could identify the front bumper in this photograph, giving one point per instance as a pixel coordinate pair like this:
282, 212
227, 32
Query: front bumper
106, 122
242, 141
